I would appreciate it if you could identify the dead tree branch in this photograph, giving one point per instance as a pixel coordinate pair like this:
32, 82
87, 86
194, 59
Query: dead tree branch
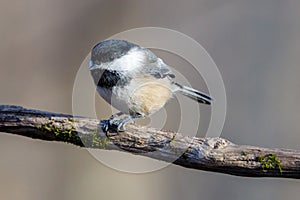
209, 154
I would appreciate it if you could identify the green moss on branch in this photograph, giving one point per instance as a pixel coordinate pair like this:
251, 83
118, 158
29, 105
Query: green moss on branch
270, 161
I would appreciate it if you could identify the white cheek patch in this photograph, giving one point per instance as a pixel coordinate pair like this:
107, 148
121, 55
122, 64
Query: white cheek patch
134, 59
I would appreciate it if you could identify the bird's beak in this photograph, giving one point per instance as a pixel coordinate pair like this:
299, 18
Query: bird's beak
91, 64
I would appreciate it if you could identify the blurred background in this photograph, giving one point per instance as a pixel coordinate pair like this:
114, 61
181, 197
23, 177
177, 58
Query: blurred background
255, 44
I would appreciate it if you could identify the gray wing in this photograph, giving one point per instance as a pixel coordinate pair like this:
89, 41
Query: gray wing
156, 67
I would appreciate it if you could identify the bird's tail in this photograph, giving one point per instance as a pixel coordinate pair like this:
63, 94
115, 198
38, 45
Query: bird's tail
193, 94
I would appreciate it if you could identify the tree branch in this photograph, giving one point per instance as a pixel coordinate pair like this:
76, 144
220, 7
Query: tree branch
209, 154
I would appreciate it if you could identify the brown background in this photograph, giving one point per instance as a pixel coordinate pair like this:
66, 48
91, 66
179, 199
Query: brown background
255, 44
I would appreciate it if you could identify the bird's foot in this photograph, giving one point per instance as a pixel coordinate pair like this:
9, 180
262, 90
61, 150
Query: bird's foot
117, 123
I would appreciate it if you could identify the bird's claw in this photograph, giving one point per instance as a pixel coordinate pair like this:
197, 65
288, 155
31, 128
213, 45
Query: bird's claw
117, 123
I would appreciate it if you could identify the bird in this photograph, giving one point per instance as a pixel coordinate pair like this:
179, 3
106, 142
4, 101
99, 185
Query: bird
135, 81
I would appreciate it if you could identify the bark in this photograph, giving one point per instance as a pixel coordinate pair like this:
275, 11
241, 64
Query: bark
209, 154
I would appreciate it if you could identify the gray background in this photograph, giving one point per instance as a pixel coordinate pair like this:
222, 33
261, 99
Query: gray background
255, 44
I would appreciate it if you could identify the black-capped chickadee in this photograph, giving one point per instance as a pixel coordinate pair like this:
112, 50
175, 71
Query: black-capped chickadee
134, 80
